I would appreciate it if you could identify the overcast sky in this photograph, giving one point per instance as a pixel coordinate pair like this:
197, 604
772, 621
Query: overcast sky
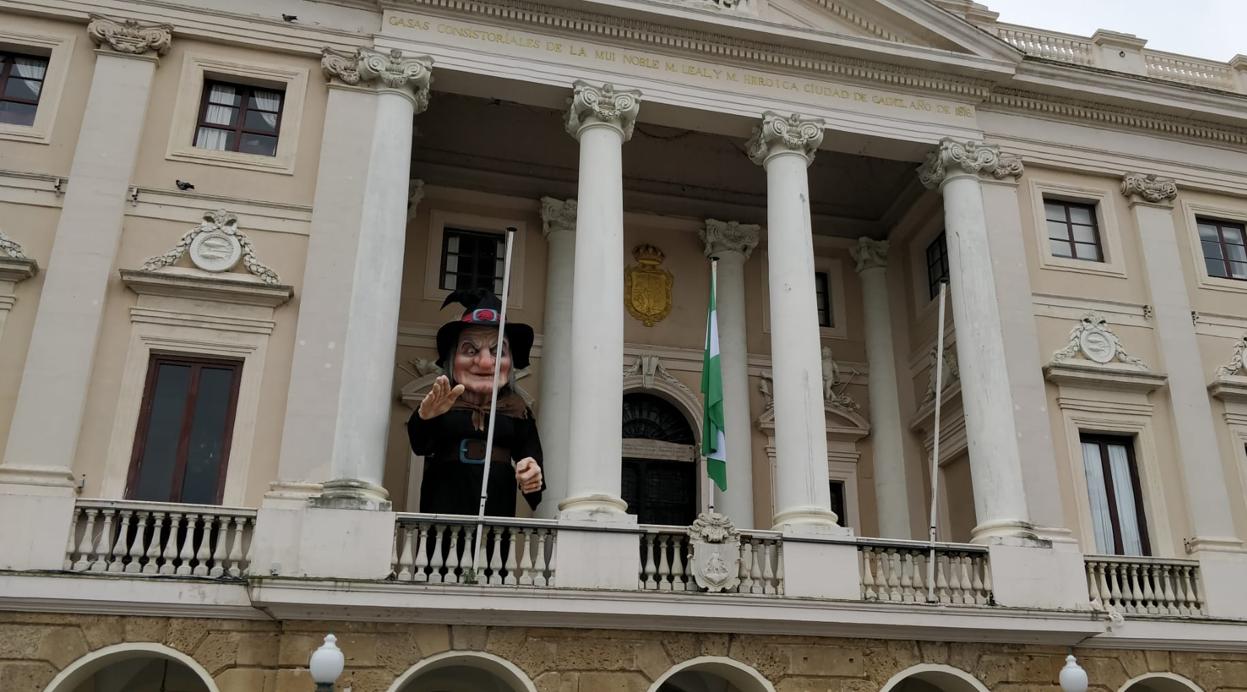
1202, 28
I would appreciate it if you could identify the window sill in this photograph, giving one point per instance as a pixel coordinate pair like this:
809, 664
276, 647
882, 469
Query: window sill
233, 159
1216, 283
1081, 267
31, 134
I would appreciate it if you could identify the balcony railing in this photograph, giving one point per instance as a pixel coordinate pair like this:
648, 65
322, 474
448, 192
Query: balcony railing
899, 572
1145, 585
1049, 45
1176, 68
665, 555
430, 549
159, 539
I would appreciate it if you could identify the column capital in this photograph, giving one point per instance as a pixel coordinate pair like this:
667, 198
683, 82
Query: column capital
392, 70
778, 134
870, 254
604, 105
557, 215
729, 236
130, 37
1149, 189
970, 157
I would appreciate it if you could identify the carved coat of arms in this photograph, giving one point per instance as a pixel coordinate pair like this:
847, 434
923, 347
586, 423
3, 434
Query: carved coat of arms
715, 543
647, 286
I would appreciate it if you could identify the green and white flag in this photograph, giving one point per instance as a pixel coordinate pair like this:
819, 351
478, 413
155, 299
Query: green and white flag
714, 443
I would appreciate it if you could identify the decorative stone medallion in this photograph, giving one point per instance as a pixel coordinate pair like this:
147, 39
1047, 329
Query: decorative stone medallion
215, 251
715, 560
1092, 340
647, 286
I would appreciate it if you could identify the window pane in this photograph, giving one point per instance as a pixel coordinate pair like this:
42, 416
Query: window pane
265, 100
1058, 230
17, 113
1212, 250
1060, 248
25, 89
1123, 493
225, 94
1087, 251
452, 243
1238, 270
1215, 267
1054, 211
30, 67
220, 115
1207, 231
1081, 214
258, 144
206, 449
212, 138
1236, 253
1085, 234
261, 122
164, 428
1101, 521
1232, 235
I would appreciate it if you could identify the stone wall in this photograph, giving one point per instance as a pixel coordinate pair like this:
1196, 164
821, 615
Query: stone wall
259, 656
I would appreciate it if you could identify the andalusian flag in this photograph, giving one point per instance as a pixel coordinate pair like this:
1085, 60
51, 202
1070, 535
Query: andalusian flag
714, 443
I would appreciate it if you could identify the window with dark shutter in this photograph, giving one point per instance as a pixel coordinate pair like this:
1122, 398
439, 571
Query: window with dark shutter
471, 259
937, 265
658, 491
822, 291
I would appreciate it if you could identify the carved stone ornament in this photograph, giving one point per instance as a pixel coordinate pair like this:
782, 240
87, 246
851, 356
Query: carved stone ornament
715, 559
778, 133
215, 246
647, 286
1092, 340
870, 254
605, 104
1238, 361
951, 373
130, 37
389, 70
1138, 187
557, 215
834, 388
415, 195
736, 6
729, 236
968, 158
10, 248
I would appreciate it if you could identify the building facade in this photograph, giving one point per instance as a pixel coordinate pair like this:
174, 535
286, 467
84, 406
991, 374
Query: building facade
227, 228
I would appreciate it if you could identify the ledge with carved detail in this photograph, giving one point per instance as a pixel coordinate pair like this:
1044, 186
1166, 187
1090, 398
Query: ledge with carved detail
1230, 388
1108, 376
15, 269
175, 282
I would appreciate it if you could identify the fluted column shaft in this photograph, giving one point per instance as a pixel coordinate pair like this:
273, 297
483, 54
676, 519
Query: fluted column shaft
732, 244
554, 417
601, 118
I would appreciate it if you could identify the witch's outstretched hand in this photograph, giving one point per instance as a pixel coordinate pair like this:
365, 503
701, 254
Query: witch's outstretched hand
439, 399
528, 475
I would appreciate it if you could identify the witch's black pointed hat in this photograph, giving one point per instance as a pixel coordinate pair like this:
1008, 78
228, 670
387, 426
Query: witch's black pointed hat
482, 308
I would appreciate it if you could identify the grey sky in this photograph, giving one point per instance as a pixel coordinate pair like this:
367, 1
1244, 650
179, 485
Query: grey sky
1202, 28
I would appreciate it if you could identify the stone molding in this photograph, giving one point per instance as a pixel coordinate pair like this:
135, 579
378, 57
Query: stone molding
729, 236
777, 134
218, 288
15, 270
1149, 189
557, 215
415, 195
1092, 343
955, 157
130, 37
1237, 365
221, 224
390, 70
10, 248
870, 254
591, 104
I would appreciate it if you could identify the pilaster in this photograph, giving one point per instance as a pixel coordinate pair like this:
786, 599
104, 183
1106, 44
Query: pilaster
554, 415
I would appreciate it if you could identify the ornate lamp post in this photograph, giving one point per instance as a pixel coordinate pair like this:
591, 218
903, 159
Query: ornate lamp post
327, 663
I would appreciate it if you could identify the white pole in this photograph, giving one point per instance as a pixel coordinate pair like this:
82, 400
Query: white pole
493, 401
935, 447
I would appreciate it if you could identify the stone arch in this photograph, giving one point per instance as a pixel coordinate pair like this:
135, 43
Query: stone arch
82, 669
447, 671
1160, 682
934, 676
647, 374
744, 678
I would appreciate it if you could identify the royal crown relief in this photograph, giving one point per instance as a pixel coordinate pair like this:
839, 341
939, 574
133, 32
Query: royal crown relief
647, 286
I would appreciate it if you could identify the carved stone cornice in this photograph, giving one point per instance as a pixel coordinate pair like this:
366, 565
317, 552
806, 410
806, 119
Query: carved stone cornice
130, 37
729, 236
390, 70
557, 215
777, 134
870, 254
1149, 189
967, 158
10, 248
591, 104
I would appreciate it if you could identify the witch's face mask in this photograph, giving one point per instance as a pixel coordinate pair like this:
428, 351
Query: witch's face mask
473, 365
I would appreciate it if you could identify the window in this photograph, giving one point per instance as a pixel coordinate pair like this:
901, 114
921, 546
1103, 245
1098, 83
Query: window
658, 478
239, 117
1116, 499
838, 502
21, 83
937, 265
471, 259
822, 290
186, 422
1072, 230
1225, 248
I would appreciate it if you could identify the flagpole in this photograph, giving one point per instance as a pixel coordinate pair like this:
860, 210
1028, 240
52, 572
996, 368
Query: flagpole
714, 288
493, 399
935, 451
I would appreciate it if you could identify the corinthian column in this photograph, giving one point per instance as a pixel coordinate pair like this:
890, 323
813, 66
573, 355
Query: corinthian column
554, 419
601, 119
732, 243
338, 409
785, 147
995, 462
886, 428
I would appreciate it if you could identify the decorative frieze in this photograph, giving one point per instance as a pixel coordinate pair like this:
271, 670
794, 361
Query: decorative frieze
968, 157
778, 133
557, 215
729, 236
870, 254
1093, 342
605, 104
130, 37
215, 246
1150, 189
389, 70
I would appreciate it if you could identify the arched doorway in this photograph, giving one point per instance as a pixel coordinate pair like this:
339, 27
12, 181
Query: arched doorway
659, 476
1160, 682
933, 678
712, 674
134, 668
463, 671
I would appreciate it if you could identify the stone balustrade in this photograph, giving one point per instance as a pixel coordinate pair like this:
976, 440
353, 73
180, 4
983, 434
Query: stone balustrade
900, 572
1145, 585
666, 554
159, 539
433, 549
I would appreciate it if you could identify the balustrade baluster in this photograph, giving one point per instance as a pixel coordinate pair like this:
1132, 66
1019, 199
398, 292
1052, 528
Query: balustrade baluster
1191, 579
956, 586
868, 575
421, 569
187, 551
495, 536
1164, 592
526, 557
988, 592
1136, 592
768, 568
86, 547
1106, 593
511, 565
907, 580
1093, 587
1150, 595
103, 542
234, 557
941, 578
648, 566
920, 575
894, 575
220, 538
151, 564
539, 566
71, 542
138, 547
457, 570
755, 571
678, 582
779, 567
554, 550
437, 561
746, 564
169, 557
980, 597
207, 523
1116, 582
117, 556
664, 567
405, 558
967, 582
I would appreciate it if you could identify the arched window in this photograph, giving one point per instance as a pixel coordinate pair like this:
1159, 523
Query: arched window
136, 667
463, 671
660, 461
712, 674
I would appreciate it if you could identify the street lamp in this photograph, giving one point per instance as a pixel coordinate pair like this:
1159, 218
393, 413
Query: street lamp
1073, 677
327, 662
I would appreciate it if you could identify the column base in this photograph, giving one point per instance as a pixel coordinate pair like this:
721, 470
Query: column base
1006, 529
599, 508
812, 520
349, 493
1039, 574
290, 494
318, 543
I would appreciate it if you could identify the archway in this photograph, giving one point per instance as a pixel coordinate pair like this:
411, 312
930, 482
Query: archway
659, 471
138, 667
1160, 682
929, 677
463, 671
712, 674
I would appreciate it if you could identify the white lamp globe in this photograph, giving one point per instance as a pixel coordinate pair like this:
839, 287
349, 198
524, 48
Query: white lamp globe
1073, 677
327, 662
